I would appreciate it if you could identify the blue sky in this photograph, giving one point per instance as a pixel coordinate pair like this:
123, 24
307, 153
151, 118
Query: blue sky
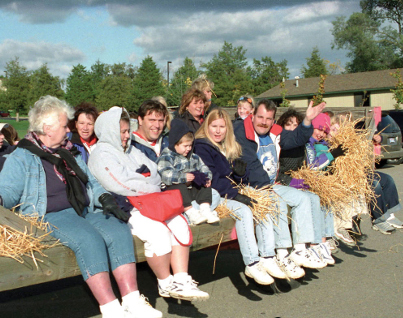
65, 33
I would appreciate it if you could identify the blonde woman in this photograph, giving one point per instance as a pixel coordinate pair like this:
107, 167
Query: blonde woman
215, 142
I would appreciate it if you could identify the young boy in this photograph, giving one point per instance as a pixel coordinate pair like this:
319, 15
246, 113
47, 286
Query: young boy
181, 169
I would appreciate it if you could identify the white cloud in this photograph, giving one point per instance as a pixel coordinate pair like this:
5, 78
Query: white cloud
59, 57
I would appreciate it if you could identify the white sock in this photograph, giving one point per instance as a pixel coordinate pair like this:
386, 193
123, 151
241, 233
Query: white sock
181, 277
281, 253
191, 210
205, 207
111, 307
300, 246
131, 297
164, 283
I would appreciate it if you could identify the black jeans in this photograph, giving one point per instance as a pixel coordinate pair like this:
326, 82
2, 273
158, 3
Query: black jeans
200, 195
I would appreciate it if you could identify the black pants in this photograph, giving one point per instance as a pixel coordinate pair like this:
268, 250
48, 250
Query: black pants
200, 195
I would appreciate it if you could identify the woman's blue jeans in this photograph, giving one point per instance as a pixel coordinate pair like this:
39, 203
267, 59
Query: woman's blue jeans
97, 240
250, 249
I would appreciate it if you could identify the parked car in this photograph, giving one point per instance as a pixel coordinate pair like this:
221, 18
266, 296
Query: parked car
391, 139
4, 114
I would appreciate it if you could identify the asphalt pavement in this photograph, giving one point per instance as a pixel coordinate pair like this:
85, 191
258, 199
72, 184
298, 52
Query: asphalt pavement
366, 281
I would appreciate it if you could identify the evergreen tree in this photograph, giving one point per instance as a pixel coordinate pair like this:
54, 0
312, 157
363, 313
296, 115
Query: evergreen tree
99, 71
181, 82
316, 66
43, 83
114, 91
265, 74
79, 86
227, 70
147, 83
17, 86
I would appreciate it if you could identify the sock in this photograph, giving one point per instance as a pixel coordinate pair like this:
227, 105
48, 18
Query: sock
111, 307
254, 263
181, 277
205, 207
191, 210
131, 297
281, 253
300, 246
164, 283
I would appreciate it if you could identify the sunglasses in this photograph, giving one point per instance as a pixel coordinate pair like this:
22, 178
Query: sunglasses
247, 99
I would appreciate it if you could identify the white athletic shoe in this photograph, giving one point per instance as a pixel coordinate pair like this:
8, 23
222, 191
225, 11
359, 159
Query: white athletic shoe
291, 269
273, 267
195, 217
305, 258
187, 290
259, 274
140, 308
326, 254
211, 216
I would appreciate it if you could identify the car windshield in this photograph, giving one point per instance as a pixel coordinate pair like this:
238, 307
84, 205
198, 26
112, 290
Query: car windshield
388, 125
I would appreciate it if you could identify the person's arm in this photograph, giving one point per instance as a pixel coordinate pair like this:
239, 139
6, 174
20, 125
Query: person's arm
118, 177
12, 181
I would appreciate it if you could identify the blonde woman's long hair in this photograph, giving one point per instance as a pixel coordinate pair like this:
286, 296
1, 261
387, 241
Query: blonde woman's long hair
229, 145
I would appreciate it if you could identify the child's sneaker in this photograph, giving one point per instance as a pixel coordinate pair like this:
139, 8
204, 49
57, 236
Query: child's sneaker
195, 216
187, 290
259, 274
211, 216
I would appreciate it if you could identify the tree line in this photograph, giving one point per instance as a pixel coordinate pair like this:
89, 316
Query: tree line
372, 37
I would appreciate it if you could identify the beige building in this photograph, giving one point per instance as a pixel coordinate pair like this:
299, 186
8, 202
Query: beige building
344, 90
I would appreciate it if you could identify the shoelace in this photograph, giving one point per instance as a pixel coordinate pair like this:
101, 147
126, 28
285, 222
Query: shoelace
145, 300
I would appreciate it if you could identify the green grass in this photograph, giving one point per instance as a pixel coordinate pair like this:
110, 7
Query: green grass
21, 126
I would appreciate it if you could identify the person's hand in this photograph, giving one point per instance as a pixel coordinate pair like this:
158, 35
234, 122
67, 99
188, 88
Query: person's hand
298, 184
377, 139
200, 178
312, 112
239, 167
190, 177
337, 152
208, 184
109, 206
245, 200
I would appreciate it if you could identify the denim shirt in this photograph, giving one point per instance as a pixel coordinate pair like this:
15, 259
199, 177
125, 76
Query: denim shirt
23, 181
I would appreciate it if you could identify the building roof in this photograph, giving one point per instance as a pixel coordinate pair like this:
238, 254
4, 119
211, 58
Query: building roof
343, 83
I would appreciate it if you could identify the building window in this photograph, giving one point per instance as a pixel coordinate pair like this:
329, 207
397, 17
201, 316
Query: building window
361, 99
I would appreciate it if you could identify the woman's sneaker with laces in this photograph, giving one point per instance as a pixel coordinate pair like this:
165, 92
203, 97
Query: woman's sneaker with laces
187, 290
394, 221
306, 258
273, 267
325, 253
140, 308
259, 274
291, 269
333, 245
345, 237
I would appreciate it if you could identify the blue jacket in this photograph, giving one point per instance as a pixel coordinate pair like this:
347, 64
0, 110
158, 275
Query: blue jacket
219, 166
75, 139
146, 149
283, 139
23, 181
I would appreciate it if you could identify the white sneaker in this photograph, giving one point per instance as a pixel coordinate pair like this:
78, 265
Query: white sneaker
317, 256
306, 259
112, 310
211, 216
259, 274
195, 217
326, 254
291, 269
271, 265
187, 290
140, 308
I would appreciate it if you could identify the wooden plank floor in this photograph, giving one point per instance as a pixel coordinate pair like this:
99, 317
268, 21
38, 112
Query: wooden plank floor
61, 263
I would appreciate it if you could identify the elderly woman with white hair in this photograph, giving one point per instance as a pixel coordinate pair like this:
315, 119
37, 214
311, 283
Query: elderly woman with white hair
48, 178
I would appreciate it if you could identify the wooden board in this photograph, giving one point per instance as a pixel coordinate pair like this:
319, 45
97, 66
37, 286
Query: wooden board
61, 263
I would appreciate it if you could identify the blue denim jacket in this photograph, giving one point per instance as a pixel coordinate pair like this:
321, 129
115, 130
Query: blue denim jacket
23, 181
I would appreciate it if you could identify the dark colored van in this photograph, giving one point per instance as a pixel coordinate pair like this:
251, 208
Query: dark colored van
391, 138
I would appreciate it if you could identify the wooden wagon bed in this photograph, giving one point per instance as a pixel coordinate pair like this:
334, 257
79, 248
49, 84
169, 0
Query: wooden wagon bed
61, 263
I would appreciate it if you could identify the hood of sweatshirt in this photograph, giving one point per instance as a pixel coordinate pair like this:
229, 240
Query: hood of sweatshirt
107, 128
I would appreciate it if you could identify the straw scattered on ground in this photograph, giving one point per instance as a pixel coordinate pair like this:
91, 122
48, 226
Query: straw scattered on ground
349, 177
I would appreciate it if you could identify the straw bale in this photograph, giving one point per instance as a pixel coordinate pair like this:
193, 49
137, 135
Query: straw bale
349, 177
